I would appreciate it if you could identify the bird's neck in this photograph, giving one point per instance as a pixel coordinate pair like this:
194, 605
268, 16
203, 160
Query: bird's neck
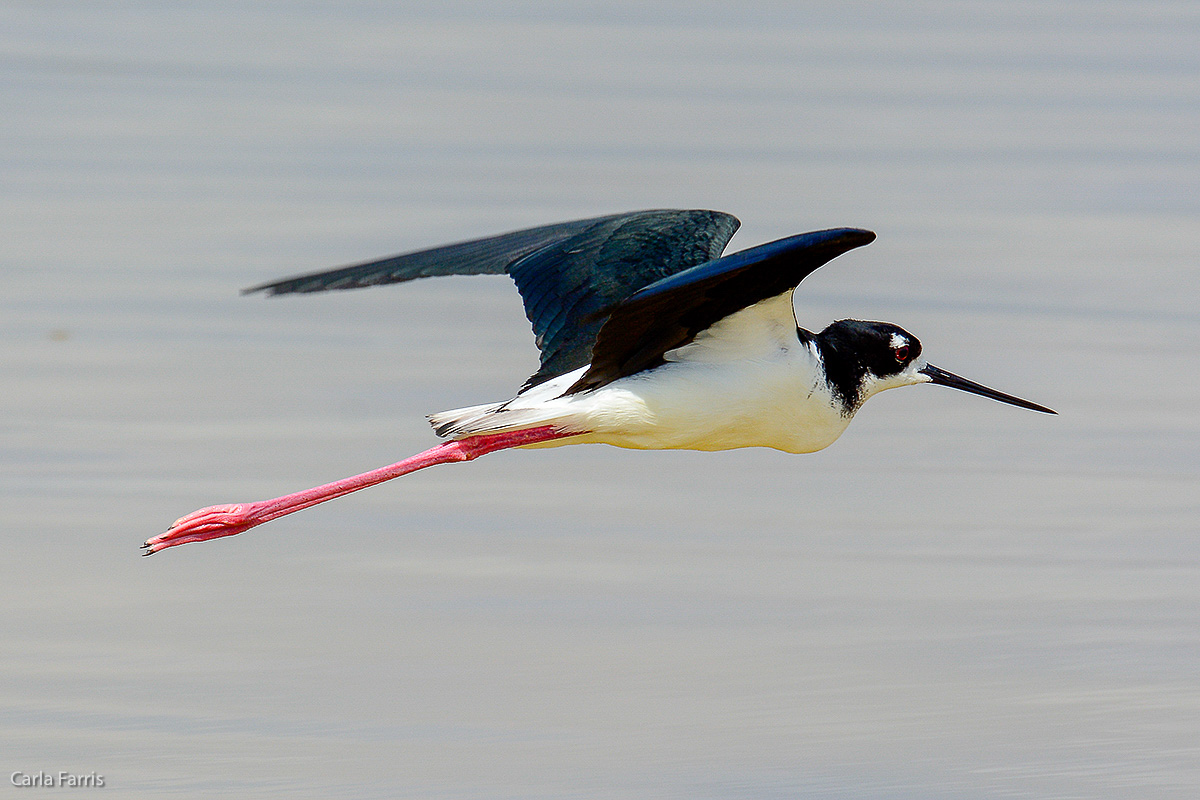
845, 372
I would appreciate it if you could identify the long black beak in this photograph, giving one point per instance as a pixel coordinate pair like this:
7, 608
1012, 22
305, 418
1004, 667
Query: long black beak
943, 378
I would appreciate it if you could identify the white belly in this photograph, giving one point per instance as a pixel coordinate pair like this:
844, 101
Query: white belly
699, 406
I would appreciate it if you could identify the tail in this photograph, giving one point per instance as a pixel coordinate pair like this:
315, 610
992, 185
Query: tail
537, 406
461, 423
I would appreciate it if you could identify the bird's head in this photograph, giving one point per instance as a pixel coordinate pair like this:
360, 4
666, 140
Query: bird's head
862, 359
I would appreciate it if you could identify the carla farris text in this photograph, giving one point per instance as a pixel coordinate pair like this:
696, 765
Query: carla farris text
58, 779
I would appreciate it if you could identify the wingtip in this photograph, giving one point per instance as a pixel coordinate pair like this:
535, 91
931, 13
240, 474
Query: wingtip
844, 240
840, 239
262, 287
856, 236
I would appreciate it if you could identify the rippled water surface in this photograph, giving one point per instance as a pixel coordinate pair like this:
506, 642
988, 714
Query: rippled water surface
959, 599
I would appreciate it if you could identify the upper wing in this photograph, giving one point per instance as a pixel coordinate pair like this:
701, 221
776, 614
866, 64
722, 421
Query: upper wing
489, 256
670, 313
568, 273
568, 286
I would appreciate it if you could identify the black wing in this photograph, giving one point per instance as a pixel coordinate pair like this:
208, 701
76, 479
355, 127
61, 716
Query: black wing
668, 314
568, 273
568, 286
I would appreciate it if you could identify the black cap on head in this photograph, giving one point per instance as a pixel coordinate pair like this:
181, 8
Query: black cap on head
852, 350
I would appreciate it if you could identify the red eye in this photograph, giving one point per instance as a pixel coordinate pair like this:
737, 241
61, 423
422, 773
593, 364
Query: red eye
901, 354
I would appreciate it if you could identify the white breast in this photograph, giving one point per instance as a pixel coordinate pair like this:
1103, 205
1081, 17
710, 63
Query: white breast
747, 381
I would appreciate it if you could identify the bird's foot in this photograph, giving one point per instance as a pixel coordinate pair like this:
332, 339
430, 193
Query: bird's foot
207, 523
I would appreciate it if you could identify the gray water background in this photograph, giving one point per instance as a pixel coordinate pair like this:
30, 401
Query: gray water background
958, 599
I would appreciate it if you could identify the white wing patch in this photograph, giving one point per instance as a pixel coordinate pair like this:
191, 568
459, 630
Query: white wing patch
762, 331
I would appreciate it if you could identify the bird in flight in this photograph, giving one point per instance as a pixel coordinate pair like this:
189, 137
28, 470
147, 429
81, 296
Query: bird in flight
650, 339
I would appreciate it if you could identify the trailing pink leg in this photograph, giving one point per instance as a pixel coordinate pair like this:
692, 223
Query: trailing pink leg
226, 520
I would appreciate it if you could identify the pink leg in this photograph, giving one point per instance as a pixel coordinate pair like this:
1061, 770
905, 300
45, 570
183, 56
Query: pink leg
217, 521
